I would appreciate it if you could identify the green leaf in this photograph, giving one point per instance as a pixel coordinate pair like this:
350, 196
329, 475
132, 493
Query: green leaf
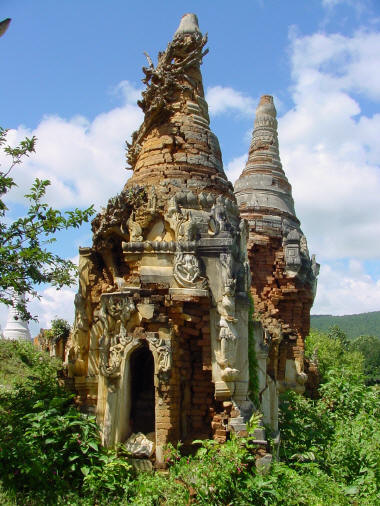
93, 445
85, 470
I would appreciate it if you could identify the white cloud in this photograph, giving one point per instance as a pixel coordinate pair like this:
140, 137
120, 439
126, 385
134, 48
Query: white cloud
129, 93
222, 99
329, 148
83, 160
331, 155
235, 167
346, 291
54, 303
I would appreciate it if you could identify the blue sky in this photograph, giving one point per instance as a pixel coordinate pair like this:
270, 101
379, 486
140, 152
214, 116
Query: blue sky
71, 75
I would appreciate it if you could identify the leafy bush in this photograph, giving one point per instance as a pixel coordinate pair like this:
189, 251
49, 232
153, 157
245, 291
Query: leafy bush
369, 346
60, 329
46, 445
339, 432
332, 352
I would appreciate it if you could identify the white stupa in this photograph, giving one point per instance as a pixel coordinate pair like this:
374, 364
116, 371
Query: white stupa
16, 328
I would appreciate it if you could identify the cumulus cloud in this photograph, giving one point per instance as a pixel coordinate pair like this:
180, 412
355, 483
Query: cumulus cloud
84, 160
235, 167
343, 290
222, 99
329, 147
331, 155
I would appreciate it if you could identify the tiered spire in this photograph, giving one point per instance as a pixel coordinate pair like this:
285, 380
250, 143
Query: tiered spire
263, 187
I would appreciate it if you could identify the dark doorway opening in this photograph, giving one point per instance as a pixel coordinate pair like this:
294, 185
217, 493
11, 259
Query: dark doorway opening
142, 390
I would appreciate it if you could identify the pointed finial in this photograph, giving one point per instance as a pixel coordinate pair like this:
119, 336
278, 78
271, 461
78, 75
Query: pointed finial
266, 111
188, 24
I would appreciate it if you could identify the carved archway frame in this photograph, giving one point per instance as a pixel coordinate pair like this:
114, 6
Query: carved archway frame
114, 392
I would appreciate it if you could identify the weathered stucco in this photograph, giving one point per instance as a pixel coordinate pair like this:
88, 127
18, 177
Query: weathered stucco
167, 271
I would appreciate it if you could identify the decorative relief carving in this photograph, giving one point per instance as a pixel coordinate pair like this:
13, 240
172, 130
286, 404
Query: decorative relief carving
115, 313
187, 271
186, 227
227, 306
244, 276
135, 231
163, 349
226, 354
293, 251
110, 357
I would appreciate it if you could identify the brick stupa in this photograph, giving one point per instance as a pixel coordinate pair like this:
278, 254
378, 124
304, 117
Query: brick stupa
160, 340
283, 275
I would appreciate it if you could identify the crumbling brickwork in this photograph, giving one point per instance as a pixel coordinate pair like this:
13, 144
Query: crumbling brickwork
283, 275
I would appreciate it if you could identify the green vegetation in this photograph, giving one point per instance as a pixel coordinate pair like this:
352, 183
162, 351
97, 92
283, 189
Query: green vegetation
60, 329
334, 350
330, 447
369, 346
25, 260
353, 325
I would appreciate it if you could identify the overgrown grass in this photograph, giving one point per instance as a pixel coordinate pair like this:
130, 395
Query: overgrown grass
18, 362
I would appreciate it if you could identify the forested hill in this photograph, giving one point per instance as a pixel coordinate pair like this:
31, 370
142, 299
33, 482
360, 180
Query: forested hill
353, 325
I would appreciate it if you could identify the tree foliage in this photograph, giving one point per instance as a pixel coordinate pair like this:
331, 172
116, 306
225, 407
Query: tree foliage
25, 257
60, 329
369, 346
353, 325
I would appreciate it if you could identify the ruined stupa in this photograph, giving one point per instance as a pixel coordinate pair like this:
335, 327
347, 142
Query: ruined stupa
283, 275
160, 338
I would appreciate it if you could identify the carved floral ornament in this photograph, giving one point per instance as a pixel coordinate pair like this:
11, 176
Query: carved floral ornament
117, 340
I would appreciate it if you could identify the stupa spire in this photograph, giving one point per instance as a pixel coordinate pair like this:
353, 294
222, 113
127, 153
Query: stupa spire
284, 276
162, 298
263, 185
175, 140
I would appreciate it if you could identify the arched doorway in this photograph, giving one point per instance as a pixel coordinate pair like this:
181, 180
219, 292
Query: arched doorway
142, 417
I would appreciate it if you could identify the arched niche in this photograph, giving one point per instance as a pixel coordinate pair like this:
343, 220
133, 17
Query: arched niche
150, 356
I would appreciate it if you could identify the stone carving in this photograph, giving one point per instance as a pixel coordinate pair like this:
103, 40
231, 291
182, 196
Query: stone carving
226, 355
244, 276
162, 82
186, 227
135, 231
292, 251
114, 315
187, 271
163, 349
140, 446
